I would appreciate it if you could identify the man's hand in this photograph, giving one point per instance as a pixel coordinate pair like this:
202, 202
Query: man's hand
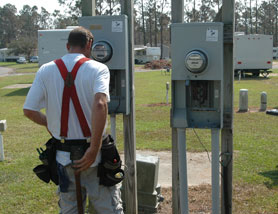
86, 161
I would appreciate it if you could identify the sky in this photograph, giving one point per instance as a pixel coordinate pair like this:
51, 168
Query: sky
49, 5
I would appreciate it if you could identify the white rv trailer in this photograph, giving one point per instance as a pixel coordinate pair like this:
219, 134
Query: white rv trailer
253, 53
275, 52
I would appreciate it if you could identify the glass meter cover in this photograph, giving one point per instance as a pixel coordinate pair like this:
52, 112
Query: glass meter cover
102, 51
196, 61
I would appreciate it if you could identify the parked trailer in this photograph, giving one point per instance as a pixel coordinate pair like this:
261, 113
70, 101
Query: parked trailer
52, 44
253, 54
275, 52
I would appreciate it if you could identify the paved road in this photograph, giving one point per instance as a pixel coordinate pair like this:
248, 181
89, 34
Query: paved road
10, 72
5, 71
198, 167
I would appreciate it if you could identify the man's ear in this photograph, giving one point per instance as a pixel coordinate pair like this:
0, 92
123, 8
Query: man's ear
89, 43
68, 46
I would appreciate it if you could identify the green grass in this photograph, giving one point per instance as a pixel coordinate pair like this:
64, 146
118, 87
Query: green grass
255, 143
21, 68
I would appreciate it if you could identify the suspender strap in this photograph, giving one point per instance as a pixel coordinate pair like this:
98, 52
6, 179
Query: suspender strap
70, 92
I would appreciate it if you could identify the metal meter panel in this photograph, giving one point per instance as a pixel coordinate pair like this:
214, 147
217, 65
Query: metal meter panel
197, 49
110, 31
111, 48
197, 75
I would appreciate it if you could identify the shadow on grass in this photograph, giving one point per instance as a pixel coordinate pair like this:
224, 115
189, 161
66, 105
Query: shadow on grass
273, 175
19, 92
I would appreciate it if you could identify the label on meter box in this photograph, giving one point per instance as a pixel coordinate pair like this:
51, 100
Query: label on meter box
211, 35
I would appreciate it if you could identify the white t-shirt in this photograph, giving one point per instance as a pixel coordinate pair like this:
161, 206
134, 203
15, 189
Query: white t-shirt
47, 91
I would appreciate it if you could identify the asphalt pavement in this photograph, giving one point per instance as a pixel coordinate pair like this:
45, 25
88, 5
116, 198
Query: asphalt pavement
5, 71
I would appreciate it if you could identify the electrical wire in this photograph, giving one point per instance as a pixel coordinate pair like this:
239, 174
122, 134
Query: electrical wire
202, 144
207, 150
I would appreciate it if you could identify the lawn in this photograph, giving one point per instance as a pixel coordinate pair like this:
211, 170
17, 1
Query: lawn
255, 144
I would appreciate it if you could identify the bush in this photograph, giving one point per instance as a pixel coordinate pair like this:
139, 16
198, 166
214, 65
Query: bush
158, 64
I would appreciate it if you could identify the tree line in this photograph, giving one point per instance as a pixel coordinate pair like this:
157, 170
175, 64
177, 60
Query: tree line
18, 29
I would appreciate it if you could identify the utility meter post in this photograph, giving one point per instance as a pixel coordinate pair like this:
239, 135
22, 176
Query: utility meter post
197, 98
177, 14
227, 132
167, 92
113, 126
129, 120
183, 171
215, 135
88, 7
2, 156
3, 127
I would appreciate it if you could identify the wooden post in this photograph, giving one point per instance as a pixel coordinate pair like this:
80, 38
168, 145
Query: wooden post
130, 182
227, 131
88, 7
177, 14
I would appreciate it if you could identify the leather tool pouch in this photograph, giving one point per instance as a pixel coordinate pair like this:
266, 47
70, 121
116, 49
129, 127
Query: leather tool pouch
109, 169
48, 170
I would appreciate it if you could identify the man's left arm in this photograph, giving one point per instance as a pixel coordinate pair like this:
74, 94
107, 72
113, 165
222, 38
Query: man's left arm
35, 101
36, 116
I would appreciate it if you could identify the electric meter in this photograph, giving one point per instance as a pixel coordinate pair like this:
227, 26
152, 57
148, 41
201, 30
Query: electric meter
197, 75
196, 61
102, 51
111, 48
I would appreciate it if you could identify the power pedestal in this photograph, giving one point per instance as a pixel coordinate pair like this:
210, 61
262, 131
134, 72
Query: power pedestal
148, 189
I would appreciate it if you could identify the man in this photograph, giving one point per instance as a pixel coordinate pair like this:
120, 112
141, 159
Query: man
48, 91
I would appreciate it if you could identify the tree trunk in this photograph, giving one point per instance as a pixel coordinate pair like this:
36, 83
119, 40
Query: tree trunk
194, 11
150, 25
143, 20
155, 25
256, 16
276, 29
251, 23
161, 37
246, 25
110, 10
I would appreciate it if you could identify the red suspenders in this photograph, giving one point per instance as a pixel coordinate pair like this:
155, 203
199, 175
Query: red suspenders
70, 92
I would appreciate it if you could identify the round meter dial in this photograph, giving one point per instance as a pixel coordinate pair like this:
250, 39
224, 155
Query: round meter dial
196, 61
102, 51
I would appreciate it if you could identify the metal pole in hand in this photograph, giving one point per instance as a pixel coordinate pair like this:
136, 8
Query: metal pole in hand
78, 192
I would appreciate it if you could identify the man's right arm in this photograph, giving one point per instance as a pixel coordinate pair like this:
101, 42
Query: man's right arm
99, 116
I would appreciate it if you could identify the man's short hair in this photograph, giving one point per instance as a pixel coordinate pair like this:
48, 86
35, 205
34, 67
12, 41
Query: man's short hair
79, 37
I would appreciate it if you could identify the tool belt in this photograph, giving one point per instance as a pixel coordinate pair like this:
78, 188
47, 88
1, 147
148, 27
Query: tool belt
48, 170
109, 169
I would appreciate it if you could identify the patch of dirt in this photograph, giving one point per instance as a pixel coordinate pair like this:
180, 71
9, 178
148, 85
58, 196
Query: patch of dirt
247, 198
199, 200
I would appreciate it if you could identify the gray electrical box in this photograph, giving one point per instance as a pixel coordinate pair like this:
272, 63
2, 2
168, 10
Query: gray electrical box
52, 44
111, 48
197, 75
